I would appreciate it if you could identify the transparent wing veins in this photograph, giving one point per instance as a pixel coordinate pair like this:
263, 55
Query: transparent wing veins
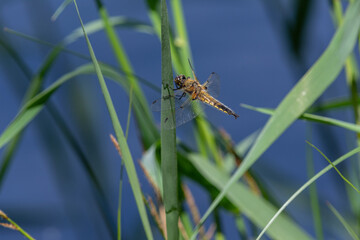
185, 109
212, 84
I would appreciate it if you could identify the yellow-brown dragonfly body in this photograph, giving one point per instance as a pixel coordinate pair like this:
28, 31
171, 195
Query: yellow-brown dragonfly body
199, 92
188, 93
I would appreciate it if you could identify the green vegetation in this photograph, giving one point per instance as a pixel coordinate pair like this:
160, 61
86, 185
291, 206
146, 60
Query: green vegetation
215, 164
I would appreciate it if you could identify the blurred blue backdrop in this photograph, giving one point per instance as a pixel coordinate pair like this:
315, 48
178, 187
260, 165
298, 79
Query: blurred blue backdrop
245, 42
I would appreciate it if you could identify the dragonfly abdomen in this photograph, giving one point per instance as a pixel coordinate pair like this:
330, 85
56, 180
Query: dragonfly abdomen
216, 104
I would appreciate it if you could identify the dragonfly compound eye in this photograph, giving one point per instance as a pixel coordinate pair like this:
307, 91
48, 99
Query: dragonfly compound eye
179, 80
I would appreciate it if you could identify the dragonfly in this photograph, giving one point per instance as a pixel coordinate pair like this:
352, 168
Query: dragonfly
189, 95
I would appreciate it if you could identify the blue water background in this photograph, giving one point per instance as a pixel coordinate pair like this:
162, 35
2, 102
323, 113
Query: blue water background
240, 40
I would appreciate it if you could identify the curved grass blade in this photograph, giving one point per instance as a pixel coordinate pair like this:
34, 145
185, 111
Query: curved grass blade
60, 9
92, 27
352, 79
343, 222
30, 110
36, 83
36, 104
303, 187
312, 117
33, 89
125, 65
76, 34
155, 17
122, 169
337, 170
33, 107
16, 57
77, 54
305, 92
168, 136
128, 161
116, 21
258, 210
334, 104
11, 148
148, 135
181, 41
313, 193
13, 225
351, 69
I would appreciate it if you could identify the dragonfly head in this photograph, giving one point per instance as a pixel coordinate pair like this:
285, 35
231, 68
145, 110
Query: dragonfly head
180, 81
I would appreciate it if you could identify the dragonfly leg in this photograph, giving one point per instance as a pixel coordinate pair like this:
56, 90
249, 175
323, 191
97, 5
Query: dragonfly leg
183, 95
185, 103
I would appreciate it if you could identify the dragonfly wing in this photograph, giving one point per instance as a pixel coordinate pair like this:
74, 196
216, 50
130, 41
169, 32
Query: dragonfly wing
156, 105
178, 93
212, 85
183, 114
185, 109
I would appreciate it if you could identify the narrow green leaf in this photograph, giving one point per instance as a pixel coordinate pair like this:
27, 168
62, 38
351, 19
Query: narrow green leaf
36, 83
314, 200
39, 102
32, 108
77, 54
14, 226
343, 222
312, 117
36, 104
148, 134
15, 56
108, 23
128, 161
258, 210
116, 21
305, 92
149, 131
153, 167
241, 227
154, 14
334, 104
351, 66
337, 170
303, 187
60, 9
185, 219
181, 40
34, 87
168, 136
122, 170
92, 27
352, 79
